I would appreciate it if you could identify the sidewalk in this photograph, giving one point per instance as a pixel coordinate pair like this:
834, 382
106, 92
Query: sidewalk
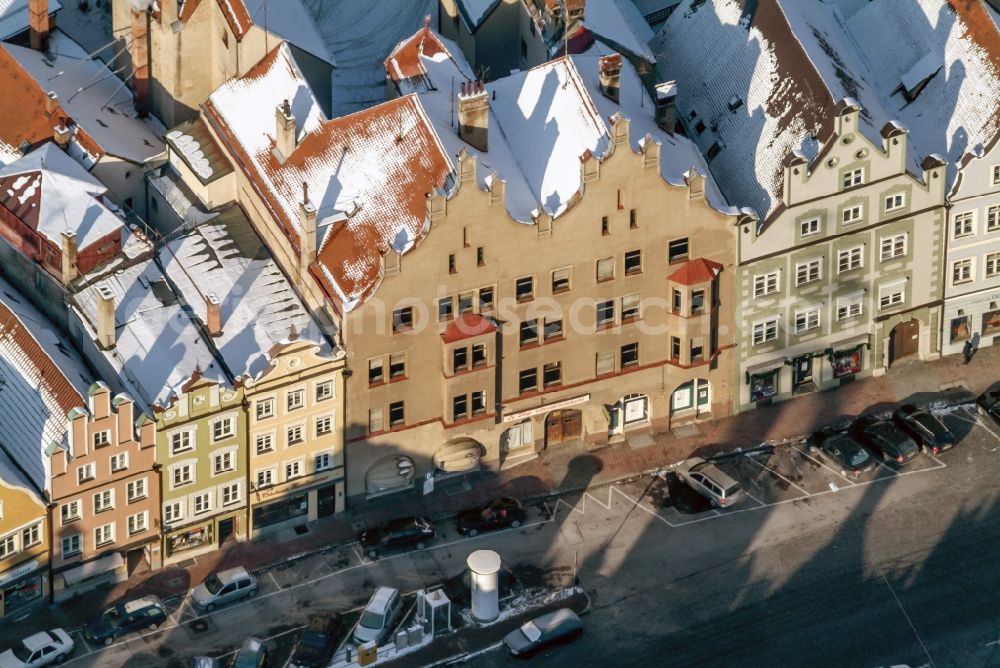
568, 468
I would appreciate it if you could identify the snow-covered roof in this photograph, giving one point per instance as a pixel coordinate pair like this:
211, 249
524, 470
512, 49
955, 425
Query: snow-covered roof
367, 173
42, 377
158, 344
196, 147
14, 16
791, 61
224, 257
289, 20
50, 191
375, 26
474, 12
93, 96
621, 24
541, 122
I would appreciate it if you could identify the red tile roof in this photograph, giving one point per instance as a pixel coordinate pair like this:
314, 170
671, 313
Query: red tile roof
695, 271
404, 61
235, 12
467, 326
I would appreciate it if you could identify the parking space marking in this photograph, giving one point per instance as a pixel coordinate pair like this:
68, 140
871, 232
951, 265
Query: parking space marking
907, 617
768, 468
747, 492
823, 464
274, 580
176, 617
886, 467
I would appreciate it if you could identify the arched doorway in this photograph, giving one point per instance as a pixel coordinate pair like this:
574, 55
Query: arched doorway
694, 396
563, 425
459, 455
390, 474
904, 340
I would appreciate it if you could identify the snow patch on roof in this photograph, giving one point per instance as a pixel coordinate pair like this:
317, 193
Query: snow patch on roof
289, 20
619, 21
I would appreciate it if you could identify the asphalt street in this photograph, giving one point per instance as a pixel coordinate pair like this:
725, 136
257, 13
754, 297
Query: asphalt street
813, 569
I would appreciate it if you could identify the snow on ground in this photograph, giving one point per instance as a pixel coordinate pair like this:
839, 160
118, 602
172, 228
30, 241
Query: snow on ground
374, 27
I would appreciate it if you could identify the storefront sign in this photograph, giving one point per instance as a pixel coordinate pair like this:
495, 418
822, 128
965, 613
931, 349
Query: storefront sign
280, 490
846, 362
531, 412
960, 328
190, 539
763, 385
18, 572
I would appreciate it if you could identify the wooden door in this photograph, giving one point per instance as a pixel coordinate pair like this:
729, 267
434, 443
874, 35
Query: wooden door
906, 339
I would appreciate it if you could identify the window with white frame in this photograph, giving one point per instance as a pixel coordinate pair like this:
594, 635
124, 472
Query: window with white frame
295, 399
993, 218
324, 390
992, 265
180, 441
806, 320
202, 503
324, 425
891, 295
71, 511
850, 259
895, 202
102, 438
963, 224
85, 473
853, 214
323, 461
172, 512
849, 307
71, 546
765, 331
893, 247
104, 534
807, 272
295, 434
8, 545
265, 478
961, 271
182, 474
808, 228
222, 428
104, 500
293, 469
223, 462
231, 494
31, 535
264, 443
119, 462
138, 523
855, 177
136, 489
264, 408
766, 284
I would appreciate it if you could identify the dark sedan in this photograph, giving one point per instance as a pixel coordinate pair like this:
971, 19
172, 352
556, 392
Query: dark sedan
885, 438
924, 428
842, 452
559, 626
402, 533
497, 514
989, 403
318, 641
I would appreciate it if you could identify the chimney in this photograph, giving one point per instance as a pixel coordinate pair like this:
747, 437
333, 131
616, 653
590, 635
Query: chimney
105, 317
666, 111
474, 114
284, 138
611, 75
139, 50
61, 134
213, 315
69, 268
307, 233
51, 103
38, 24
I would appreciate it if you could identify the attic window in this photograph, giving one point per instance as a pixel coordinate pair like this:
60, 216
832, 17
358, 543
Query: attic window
735, 102
917, 77
24, 147
714, 150
699, 128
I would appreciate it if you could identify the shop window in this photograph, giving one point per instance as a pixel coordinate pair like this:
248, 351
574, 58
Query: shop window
991, 322
959, 328
763, 385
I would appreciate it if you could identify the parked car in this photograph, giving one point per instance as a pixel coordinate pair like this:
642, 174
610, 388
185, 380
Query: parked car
988, 403
379, 616
395, 534
842, 452
710, 481
203, 662
39, 649
924, 428
886, 439
318, 641
496, 514
558, 626
252, 654
224, 587
143, 613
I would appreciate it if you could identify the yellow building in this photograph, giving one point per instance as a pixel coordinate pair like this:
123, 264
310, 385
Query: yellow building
24, 544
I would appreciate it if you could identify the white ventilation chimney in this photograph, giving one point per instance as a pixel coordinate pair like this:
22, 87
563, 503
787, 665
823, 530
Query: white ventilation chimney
105, 317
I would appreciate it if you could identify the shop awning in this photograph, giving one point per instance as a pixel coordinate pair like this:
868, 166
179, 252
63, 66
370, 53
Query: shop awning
92, 568
389, 474
459, 455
